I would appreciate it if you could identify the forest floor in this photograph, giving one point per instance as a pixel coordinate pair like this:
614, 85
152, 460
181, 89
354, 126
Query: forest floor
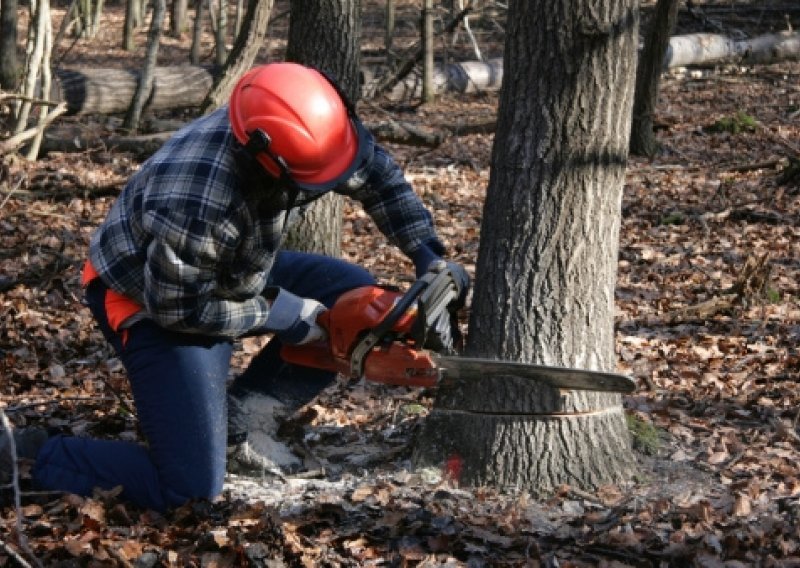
708, 323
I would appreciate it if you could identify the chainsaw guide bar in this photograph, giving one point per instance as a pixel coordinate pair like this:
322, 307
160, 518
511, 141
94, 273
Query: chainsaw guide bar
559, 377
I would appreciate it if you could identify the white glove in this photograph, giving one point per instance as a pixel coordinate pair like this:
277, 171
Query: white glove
294, 319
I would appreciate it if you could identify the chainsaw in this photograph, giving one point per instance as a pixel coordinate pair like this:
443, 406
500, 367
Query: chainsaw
381, 335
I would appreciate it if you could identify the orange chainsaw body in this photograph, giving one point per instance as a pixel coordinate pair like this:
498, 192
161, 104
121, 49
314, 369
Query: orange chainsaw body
396, 361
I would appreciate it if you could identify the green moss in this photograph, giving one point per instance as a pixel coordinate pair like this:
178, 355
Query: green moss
736, 124
674, 218
646, 437
773, 295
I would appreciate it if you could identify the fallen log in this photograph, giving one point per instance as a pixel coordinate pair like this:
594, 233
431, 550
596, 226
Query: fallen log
109, 91
464, 78
704, 48
72, 138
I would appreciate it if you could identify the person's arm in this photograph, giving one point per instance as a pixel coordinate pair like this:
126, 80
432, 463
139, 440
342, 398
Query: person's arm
184, 261
398, 211
182, 268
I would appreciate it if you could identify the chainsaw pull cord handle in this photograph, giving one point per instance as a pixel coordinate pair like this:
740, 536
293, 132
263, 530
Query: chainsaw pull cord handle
430, 284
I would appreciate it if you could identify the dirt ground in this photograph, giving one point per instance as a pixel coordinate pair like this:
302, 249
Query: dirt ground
710, 335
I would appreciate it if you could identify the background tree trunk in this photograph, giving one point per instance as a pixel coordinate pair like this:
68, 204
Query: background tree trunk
133, 19
544, 289
325, 34
428, 89
648, 77
221, 35
389, 36
45, 75
244, 52
177, 19
34, 54
145, 86
9, 65
197, 32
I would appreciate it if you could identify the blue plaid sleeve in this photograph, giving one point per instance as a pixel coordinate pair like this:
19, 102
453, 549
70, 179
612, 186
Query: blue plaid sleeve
396, 209
181, 277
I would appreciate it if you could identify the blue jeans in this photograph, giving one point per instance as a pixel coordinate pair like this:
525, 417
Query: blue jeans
178, 382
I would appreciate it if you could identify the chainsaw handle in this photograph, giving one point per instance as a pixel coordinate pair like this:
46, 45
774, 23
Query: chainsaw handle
377, 333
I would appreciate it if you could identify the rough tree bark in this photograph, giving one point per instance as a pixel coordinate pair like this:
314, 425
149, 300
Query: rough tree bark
544, 289
648, 77
9, 65
244, 52
325, 34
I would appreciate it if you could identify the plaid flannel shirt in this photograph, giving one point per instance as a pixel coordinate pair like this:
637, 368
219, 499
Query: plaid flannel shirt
182, 241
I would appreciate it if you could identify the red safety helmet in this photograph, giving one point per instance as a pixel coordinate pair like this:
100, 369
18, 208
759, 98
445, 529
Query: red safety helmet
298, 125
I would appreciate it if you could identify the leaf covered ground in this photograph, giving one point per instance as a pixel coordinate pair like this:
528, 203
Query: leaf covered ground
708, 322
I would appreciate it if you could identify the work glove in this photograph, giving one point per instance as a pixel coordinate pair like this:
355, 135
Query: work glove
294, 319
444, 334
462, 280
425, 257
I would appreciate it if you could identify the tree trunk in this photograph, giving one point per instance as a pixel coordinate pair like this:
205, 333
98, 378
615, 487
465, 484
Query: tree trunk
46, 76
34, 53
93, 18
389, 35
133, 19
9, 65
428, 89
146, 80
244, 52
325, 34
221, 35
544, 289
648, 76
177, 19
197, 32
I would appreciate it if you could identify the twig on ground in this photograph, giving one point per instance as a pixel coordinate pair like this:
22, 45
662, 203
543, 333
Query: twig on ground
13, 189
86, 399
14, 555
12, 449
18, 140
